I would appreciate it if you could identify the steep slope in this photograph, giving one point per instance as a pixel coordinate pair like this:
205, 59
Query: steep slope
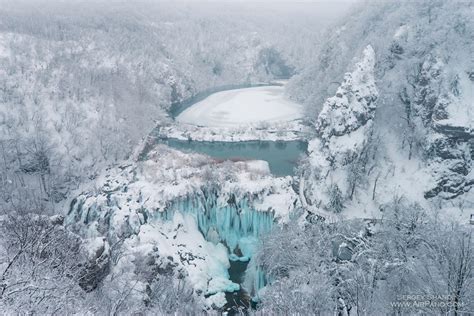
421, 143
339, 154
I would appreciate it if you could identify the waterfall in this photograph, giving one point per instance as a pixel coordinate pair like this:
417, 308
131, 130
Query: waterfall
232, 221
227, 218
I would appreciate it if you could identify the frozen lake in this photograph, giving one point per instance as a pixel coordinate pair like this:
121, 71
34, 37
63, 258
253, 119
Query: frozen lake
239, 107
230, 109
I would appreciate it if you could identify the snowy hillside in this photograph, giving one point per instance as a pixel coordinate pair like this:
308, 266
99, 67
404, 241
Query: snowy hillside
81, 86
338, 155
420, 141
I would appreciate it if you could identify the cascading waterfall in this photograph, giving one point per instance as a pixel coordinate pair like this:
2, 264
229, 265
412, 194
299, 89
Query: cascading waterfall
220, 217
231, 221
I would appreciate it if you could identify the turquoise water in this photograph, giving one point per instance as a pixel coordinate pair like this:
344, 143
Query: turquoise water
237, 225
282, 157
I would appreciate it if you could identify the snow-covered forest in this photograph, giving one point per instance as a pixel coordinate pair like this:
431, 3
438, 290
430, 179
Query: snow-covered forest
237, 157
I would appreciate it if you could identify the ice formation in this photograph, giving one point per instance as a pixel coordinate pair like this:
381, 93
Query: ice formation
188, 210
236, 223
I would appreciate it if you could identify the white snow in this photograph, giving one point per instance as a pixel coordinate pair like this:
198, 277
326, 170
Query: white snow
460, 109
94, 245
233, 108
344, 127
205, 263
4, 47
259, 113
169, 174
262, 131
401, 32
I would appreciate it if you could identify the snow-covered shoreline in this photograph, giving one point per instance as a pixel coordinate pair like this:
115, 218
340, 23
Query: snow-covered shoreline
280, 131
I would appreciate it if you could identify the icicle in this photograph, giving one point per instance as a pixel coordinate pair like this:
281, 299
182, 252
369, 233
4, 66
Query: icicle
235, 223
255, 280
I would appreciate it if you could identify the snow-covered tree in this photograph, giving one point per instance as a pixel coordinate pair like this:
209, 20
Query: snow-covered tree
338, 155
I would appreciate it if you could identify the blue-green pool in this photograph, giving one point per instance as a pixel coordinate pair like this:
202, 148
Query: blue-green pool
282, 156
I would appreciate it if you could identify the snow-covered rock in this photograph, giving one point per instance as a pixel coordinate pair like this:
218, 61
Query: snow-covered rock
443, 99
422, 139
344, 129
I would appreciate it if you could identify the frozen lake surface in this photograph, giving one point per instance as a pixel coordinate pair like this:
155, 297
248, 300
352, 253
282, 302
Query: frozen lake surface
238, 107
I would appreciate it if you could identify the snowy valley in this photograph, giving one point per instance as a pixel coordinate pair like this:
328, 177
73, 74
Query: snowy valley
237, 158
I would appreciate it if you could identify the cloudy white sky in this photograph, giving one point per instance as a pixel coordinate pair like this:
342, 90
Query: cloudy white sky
310, 10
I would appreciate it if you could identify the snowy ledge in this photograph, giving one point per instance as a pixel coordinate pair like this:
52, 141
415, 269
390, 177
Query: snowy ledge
277, 131
170, 174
